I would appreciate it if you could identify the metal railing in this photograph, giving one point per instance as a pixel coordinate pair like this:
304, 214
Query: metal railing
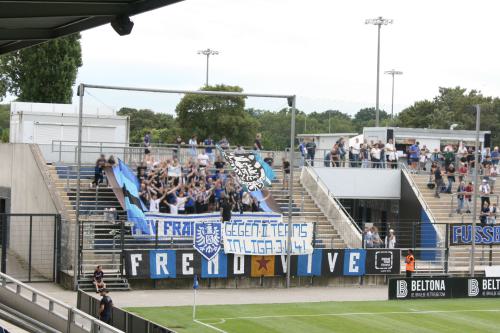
348, 228
454, 201
48, 310
422, 200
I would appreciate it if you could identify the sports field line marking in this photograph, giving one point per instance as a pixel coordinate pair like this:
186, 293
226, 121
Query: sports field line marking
356, 314
209, 326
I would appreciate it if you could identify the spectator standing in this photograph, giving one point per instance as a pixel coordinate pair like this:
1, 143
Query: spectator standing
485, 191
365, 156
356, 148
410, 264
414, 153
460, 197
203, 160
376, 154
226, 208
303, 152
192, 146
146, 142
377, 241
495, 156
438, 180
327, 159
462, 172
468, 196
209, 146
391, 155
342, 151
105, 307
450, 174
285, 165
257, 145
462, 152
423, 158
493, 177
449, 155
311, 151
368, 238
335, 156
177, 149
381, 146
492, 218
390, 240
485, 213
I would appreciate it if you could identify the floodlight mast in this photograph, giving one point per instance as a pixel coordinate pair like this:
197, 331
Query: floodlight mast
379, 21
291, 101
208, 53
393, 72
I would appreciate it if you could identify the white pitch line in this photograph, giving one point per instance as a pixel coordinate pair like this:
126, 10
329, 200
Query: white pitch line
209, 326
355, 314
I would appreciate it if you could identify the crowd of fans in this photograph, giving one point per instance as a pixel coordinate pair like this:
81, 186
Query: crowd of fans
202, 184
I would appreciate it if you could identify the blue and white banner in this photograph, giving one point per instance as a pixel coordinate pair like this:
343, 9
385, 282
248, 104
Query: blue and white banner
207, 239
182, 226
461, 234
266, 238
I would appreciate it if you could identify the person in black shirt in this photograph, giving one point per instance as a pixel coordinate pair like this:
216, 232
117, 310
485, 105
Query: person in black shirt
438, 179
99, 167
286, 171
226, 208
269, 160
105, 306
311, 151
258, 144
98, 278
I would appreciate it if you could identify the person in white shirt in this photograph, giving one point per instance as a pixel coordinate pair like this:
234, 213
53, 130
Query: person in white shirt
154, 202
391, 155
485, 192
203, 159
193, 143
390, 240
375, 153
355, 149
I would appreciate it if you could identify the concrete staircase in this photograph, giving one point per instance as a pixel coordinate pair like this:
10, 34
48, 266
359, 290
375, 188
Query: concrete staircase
96, 233
305, 210
444, 212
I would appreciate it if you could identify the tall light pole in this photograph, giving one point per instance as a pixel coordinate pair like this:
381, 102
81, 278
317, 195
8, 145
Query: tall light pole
379, 21
474, 194
393, 73
208, 53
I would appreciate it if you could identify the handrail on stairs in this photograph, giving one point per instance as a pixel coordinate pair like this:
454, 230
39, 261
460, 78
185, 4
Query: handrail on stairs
421, 199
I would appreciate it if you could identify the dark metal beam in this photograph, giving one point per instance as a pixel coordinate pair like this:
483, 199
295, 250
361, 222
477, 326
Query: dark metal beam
27, 9
26, 34
14, 46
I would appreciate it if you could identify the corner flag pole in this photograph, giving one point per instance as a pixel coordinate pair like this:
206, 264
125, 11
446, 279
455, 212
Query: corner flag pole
195, 288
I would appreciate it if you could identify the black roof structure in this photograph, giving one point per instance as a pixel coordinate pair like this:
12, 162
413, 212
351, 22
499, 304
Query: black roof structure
26, 23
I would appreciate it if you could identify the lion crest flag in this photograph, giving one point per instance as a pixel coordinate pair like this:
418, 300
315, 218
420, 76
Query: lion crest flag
207, 238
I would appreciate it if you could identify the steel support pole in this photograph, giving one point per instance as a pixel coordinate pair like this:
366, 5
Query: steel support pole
290, 192
206, 80
474, 197
76, 256
377, 116
392, 99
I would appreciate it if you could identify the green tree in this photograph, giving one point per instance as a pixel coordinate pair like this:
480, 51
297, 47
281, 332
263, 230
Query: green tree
4, 122
216, 116
163, 127
454, 106
44, 73
366, 118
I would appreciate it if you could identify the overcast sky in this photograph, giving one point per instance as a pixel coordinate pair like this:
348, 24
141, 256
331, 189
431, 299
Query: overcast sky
320, 50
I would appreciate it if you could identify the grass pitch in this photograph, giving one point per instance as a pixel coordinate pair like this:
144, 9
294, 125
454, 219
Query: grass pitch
459, 315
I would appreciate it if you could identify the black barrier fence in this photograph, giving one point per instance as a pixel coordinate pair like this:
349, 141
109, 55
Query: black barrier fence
30, 246
443, 287
120, 319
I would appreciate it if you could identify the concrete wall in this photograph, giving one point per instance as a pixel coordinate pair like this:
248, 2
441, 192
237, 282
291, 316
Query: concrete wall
361, 183
28, 194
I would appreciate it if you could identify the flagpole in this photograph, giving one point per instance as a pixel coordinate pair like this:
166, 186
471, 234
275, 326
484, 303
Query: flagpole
194, 305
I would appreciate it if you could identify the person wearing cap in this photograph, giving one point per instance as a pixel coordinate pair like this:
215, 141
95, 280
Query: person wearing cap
485, 190
390, 240
105, 307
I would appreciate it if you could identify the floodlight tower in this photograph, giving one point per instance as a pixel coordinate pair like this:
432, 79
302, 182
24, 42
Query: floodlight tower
379, 21
208, 53
393, 73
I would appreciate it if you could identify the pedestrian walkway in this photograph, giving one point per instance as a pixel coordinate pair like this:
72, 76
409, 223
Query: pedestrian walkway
139, 298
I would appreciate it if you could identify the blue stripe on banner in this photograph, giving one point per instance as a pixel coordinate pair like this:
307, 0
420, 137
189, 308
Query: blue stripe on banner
162, 264
354, 262
215, 268
136, 215
310, 264
129, 174
262, 203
